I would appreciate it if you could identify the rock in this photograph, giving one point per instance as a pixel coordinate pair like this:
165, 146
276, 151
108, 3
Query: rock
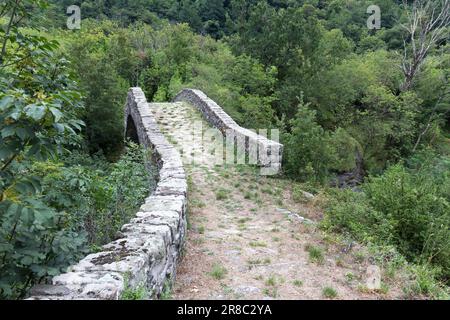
49, 290
269, 154
295, 216
150, 245
308, 196
245, 290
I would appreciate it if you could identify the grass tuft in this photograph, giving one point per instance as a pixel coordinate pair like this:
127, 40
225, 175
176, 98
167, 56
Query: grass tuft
218, 271
329, 293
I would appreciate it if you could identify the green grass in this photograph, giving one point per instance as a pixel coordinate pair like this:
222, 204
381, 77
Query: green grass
242, 227
271, 281
360, 257
198, 241
248, 195
315, 254
201, 230
254, 262
218, 272
225, 175
425, 283
384, 288
297, 283
256, 244
271, 292
166, 293
258, 262
244, 220
349, 277
222, 194
139, 293
329, 293
197, 203
298, 195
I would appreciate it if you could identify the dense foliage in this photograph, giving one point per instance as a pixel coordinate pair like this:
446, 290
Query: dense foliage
407, 208
349, 101
54, 202
275, 56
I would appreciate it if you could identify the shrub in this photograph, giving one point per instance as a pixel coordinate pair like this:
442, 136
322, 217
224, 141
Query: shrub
307, 152
329, 292
405, 209
271, 281
424, 282
297, 283
77, 205
222, 194
139, 293
349, 212
315, 254
218, 272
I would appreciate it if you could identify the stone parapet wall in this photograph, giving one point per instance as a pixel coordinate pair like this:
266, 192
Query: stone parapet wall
268, 153
148, 248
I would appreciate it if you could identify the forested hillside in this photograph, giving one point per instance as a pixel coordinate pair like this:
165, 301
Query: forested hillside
364, 116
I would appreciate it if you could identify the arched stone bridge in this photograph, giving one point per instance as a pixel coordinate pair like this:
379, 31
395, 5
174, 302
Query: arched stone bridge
149, 247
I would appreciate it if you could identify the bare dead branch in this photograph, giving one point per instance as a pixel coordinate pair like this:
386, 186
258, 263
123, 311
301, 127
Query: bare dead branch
427, 25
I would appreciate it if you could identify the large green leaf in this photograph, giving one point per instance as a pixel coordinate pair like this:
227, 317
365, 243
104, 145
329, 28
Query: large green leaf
36, 112
8, 131
6, 152
56, 113
6, 102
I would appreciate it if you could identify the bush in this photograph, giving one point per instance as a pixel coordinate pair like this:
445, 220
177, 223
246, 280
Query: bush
402, 208
82, 202
315, 254
307, 152
329, 292
418, 213
350, 213
104, 90
218, 272
101, 197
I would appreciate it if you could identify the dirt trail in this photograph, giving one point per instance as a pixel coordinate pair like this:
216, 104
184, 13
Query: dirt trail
245, 240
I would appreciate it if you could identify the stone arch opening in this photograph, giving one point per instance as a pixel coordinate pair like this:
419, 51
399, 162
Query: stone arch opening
131, 130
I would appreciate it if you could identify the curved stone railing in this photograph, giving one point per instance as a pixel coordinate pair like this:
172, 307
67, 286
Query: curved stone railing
267, 153
147, 252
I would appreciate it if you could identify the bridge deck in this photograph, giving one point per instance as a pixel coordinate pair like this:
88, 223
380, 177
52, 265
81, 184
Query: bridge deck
244, 223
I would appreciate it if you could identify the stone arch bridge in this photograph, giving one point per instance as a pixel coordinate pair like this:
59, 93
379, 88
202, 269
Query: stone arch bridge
148, 249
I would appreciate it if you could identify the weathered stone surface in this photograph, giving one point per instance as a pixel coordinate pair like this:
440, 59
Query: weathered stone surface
269, 153
47, 289
161, 203
150, 245
91, 285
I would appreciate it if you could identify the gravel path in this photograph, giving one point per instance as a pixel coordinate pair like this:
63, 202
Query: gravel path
246, 237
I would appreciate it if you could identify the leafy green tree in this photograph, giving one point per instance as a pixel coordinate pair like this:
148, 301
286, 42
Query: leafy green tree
189, 12
404, 208
308, 152
39, 110
97, 62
